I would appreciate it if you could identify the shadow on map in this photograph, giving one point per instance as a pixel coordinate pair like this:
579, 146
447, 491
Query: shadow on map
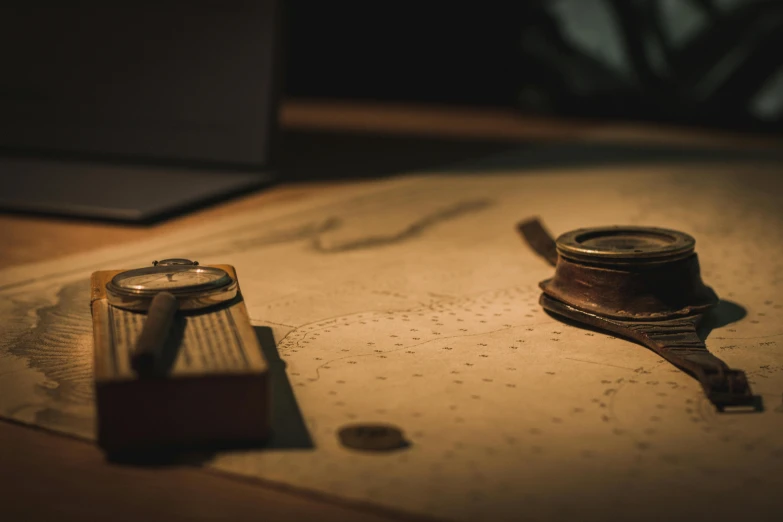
724, 314
289, 430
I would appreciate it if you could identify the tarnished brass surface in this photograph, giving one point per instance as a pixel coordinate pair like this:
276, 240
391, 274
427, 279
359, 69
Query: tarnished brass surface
625, 245
663, 290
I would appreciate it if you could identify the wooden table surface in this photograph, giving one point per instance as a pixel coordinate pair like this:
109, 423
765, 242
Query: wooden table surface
44, 476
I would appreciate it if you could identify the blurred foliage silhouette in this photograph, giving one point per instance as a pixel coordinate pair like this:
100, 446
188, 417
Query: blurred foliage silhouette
706, 62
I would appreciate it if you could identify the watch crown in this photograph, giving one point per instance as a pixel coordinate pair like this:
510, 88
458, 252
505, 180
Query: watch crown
174, 261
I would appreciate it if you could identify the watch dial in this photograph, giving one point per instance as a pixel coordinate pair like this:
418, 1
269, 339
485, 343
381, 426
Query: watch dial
183, 277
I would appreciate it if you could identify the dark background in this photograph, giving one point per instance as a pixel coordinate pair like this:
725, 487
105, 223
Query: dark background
698, 63
702, 62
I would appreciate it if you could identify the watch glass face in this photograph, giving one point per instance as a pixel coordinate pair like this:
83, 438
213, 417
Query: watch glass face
171, 278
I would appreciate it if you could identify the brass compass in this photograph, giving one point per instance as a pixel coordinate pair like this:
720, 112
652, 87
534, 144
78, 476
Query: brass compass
644, 284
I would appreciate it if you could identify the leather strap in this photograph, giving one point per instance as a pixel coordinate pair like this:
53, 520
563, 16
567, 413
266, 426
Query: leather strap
678, 342
537, 237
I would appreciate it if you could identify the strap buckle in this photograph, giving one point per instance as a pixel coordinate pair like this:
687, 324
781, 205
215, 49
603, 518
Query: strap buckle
727, 388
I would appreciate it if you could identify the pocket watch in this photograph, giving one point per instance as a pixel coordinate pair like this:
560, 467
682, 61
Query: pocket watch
162, 290
194, 287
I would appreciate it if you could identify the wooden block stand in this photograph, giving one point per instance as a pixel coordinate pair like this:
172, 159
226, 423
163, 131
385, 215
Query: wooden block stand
216, 391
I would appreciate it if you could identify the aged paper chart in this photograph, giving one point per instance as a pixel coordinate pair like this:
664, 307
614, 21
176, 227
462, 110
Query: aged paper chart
413, 301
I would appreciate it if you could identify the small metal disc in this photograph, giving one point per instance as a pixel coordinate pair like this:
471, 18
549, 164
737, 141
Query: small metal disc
372, 437
621, 244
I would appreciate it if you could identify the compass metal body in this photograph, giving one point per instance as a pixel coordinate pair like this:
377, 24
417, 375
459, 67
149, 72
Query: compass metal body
630, 273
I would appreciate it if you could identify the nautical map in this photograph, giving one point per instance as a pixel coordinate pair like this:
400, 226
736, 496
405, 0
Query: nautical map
413, 301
